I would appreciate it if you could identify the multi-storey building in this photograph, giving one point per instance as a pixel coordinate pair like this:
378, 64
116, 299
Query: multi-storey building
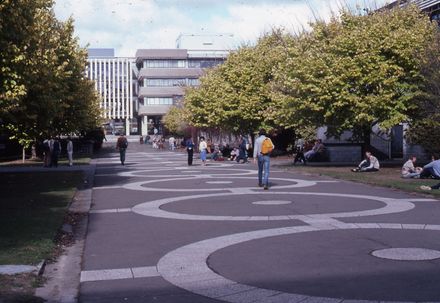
115, 81
164, 74
137, 92
432, 7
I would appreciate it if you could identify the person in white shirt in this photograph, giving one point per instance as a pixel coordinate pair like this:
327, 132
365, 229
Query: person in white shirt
70, 151
409, 170
171, 141
263, 159
203, 147
370, 164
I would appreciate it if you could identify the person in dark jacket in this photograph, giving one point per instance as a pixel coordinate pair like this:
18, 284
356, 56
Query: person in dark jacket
190, 150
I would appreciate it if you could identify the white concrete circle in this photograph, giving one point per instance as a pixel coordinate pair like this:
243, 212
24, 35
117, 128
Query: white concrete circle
149, 172
140, 186
219, 182
272, 202
407, 254
153, 208
187, 268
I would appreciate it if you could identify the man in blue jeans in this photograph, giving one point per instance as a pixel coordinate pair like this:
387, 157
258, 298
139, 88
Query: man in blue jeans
263, 160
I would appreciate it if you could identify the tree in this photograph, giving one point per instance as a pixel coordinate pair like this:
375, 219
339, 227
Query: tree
174, 121
235, 96
424, 123
54, 95
353, 72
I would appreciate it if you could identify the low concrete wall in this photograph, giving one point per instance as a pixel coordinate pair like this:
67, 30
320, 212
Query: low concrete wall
344, 153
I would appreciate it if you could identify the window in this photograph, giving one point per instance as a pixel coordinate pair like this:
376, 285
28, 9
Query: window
193, 82
204, 63
164, 64
158, 101
163, 82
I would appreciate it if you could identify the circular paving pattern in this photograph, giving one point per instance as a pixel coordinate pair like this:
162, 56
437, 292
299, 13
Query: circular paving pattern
187, 267
272, 202
156, 208
407, 254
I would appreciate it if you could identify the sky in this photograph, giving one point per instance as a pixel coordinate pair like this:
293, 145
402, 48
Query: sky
128, 25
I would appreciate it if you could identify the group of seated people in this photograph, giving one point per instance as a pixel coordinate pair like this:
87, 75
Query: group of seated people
409, 169
305, 152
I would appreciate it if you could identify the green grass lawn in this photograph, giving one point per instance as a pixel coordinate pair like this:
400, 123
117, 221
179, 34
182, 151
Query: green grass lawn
386, 177
62, 162
32, 208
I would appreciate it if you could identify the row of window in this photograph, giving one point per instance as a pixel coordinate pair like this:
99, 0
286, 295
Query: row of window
170, 82
196, 63
158, 101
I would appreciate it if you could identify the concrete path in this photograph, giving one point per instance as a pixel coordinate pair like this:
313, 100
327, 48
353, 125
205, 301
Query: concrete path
161, 231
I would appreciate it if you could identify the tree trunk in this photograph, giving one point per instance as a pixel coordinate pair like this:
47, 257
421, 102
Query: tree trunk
24, 154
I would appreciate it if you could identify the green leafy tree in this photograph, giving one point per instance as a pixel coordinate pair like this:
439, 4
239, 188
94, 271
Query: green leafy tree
235, 96
353, 72
54, 96
174, 121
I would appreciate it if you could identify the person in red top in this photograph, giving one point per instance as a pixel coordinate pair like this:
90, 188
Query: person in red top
122, 145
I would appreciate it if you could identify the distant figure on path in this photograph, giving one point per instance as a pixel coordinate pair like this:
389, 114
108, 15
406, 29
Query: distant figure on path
370, 164
70, 151
242, 150
122, 145
47, 155
262, 149
56, 150
203, 148
171, 143
190, 150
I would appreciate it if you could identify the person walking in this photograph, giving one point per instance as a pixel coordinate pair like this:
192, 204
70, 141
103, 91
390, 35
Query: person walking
122, 145
171, 143
46, 150
56, 150
190, 150
203, 148
70, 150
242, 150
262, 149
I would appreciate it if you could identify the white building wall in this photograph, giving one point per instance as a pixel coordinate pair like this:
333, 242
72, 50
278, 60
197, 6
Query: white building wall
113, 81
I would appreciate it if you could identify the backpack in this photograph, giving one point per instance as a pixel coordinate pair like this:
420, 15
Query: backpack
266, 146
124, 143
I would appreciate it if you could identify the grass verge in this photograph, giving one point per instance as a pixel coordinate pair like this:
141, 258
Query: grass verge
38, 162
386, 177
33, 207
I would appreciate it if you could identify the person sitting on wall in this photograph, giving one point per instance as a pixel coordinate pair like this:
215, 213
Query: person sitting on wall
370, 164
409, 170
317, 150
432, 169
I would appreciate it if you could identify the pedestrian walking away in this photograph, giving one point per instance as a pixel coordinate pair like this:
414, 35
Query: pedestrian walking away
122, 145
47, 154
70, 151
203, 147
262, 149
56, 150
190, 150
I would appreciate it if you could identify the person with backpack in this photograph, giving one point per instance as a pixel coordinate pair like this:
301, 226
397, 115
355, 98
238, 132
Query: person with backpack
263, 148
122, 145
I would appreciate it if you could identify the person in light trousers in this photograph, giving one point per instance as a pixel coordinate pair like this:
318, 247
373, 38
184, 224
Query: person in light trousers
70, 151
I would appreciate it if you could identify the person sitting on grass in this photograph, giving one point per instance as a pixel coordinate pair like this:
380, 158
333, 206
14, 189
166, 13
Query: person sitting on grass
409, 170
370, 164
425, 187
431, 170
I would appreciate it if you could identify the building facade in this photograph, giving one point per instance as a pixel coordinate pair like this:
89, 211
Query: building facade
165, 73
431, 7
115, 81
137, 92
